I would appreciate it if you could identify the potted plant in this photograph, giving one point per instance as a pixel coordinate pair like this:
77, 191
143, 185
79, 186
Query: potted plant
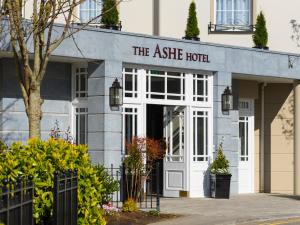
220, 176
260, 36
110, 15
192, 31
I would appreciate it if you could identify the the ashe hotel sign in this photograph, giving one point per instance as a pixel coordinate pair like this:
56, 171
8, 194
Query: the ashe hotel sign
170, 53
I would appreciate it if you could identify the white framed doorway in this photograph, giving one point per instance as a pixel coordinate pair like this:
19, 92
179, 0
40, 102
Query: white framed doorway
174, 162
246, 146
184, 101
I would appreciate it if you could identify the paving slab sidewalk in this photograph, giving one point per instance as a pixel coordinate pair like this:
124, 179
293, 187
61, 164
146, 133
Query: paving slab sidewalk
242, 209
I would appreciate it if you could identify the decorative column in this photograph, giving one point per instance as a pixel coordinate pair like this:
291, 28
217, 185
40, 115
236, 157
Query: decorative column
297, 138
226, 127
104, 125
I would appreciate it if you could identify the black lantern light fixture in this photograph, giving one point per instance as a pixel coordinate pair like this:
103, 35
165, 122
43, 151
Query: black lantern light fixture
115, 95
227, 100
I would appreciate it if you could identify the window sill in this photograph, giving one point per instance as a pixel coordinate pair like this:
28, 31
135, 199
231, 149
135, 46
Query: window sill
230, 29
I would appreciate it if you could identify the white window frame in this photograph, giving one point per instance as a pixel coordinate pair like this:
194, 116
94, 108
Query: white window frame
78, 102
134, 92
233, 11
139, 126
205, 79
245, 157
77, 135
207, 135
165, 95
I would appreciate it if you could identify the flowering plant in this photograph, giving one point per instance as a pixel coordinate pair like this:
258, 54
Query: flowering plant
109, 209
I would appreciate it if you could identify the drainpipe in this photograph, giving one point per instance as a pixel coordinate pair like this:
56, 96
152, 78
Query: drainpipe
156, 20
262, 139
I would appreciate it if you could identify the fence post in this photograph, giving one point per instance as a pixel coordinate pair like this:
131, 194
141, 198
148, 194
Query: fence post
29, 183
55, 197
123, 183
157, 187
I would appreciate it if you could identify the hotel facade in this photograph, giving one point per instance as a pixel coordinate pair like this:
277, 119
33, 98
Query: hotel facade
172, 89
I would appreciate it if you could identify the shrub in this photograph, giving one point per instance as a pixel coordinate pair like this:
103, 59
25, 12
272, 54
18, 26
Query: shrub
192, 30
110, 14
139, 151
260, 36
220, 165
41, 159
154, 212
110, 185
3, 147
130, 205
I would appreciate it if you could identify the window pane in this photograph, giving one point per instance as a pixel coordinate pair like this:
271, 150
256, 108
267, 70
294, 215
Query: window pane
241, 18
176, 136
158, 84
174, 74
77, 84
200, 136
128, 128
200, 87
82, 82
128, 82
173, 85
82, 129
241, 5
81, 125
157, 72
242, 138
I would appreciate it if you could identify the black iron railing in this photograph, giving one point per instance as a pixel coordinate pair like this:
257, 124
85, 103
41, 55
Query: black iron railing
65, 198
16, 202
221, 28
149, 188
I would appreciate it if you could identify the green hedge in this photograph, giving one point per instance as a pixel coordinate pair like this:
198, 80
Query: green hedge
41, 159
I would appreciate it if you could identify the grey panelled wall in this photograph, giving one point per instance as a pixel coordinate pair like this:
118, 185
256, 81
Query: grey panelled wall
104, 125
226, 127
56, 92
114, 45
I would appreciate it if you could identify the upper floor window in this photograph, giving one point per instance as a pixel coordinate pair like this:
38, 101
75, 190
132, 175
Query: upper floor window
90, 9
233, 12
232, 15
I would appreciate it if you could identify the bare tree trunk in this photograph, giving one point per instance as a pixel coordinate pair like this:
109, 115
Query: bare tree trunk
34, 112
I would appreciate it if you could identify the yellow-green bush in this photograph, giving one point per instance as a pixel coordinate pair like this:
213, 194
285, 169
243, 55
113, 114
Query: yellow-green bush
130, 205
41, 159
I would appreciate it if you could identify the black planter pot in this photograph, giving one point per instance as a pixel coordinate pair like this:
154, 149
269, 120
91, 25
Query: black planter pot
192, 39
259, 47
111, 27
220, 186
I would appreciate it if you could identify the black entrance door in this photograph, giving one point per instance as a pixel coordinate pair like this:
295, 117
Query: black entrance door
155, 130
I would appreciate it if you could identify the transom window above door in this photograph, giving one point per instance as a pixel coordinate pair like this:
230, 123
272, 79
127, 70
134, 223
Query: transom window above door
165, 85
232, 15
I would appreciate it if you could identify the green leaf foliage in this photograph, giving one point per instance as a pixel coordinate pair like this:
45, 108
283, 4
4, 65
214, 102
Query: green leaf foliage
110, 185
260, 36
220, 165
110, 14
192, 30
41, 159
130, 205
